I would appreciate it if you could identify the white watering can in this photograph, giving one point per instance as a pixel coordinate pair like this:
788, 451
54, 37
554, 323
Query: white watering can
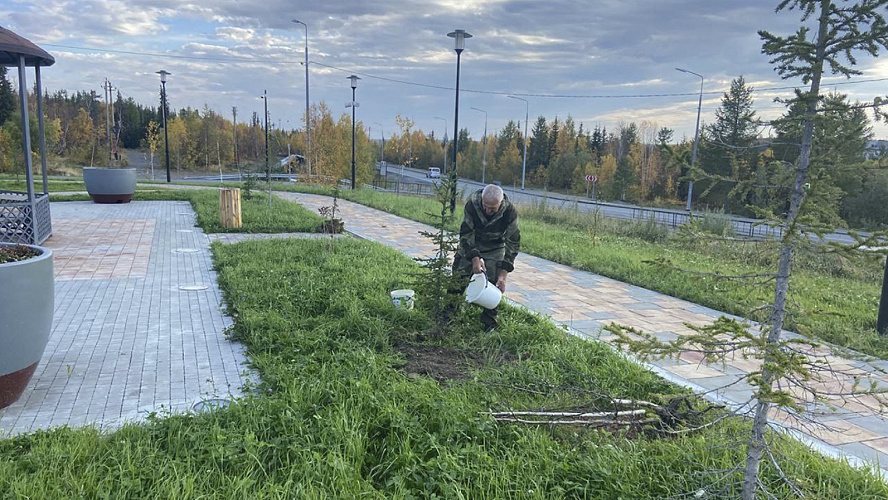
482, 292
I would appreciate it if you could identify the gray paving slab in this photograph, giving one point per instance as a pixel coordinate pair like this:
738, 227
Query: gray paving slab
121, 348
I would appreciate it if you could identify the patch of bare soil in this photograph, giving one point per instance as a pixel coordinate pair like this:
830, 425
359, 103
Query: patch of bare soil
444, 363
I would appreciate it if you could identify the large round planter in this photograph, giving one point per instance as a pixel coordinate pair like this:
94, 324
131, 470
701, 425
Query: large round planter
26, 307
110, 185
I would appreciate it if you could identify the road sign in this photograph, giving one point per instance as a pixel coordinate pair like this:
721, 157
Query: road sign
591, 178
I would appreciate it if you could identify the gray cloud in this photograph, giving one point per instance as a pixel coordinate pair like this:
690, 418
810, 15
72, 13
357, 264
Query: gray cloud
558, 46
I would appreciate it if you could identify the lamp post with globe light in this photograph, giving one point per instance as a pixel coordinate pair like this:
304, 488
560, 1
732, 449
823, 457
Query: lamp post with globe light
166, 137
353, 104
459, 37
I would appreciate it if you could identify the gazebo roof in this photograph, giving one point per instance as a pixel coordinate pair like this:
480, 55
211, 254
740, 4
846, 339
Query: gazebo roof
12, 45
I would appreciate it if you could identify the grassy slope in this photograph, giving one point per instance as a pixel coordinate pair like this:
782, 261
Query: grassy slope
334, 418
831, 298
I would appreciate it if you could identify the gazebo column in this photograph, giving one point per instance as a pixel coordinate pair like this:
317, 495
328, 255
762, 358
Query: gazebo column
26, 144
40, 125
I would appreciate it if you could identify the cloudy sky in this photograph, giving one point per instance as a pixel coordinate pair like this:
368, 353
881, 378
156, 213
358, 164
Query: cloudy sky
588, 59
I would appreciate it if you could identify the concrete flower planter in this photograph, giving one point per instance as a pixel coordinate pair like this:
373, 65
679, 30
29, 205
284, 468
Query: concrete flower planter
110, 185
26, 307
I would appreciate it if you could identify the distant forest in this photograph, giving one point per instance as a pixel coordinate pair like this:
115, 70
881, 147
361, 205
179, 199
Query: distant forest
737, 170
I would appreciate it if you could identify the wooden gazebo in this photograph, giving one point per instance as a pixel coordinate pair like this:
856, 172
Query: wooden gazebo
24, 216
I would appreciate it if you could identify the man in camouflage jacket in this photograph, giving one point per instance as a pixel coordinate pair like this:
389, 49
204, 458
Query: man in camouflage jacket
489, 240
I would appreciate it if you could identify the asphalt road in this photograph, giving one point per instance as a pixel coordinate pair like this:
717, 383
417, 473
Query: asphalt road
743, 226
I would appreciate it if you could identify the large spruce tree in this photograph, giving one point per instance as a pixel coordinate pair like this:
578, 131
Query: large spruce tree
843, 30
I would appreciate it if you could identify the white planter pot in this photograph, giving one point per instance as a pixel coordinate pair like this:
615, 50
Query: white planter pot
110, 185
26, 307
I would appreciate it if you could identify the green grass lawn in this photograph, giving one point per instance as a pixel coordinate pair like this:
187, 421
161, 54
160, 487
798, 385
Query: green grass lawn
258, 216
334, 417
831, 298
17, 183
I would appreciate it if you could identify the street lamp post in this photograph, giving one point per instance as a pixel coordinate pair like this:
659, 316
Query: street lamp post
307, 108
524, 159
353, 104
484, 155
382, 147
696, 135
445, 142
166, 136
264, 97
459, 37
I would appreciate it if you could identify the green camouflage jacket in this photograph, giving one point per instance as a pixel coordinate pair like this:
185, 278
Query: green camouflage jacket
495, 239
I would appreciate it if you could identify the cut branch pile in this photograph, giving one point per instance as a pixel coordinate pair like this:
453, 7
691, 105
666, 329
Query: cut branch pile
620, 416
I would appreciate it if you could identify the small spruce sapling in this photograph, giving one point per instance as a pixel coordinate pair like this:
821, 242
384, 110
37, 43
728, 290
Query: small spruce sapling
436, 283
249, 185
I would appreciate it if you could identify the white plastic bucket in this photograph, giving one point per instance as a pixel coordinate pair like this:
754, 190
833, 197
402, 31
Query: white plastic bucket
402, 299
482, 292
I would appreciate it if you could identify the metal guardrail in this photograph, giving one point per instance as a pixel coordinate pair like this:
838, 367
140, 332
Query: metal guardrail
409, 188
673, 219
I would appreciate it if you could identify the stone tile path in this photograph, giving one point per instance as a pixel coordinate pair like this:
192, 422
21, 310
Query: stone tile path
126, 339
584, 302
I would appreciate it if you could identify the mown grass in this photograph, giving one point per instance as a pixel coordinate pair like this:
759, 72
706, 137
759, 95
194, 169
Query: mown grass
258, 216
832, 298
55, 184
17, 183
334, 418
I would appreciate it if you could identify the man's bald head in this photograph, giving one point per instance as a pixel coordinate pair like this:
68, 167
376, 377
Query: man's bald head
491, 198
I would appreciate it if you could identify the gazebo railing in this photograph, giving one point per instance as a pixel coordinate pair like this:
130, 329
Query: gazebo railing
20, 222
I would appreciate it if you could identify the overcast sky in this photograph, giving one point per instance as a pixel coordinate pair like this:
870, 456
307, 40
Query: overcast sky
224, 53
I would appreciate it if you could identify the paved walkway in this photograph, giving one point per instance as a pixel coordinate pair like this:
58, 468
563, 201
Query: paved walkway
584, 302
138, 325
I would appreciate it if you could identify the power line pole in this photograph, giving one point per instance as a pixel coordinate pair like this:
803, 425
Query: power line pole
113, 121
106, 87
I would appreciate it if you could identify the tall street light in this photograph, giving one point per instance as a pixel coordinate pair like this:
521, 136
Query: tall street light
524, 160
696, 136
166, 136
353, 104
382, 147
459, 37
307, 109
445, 141
264, 97
484, 155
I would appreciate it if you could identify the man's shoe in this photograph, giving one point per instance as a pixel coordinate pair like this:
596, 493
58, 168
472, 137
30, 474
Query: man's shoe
489, 328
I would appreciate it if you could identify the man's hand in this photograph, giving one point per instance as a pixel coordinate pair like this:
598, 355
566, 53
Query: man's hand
501, 281
478, 266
